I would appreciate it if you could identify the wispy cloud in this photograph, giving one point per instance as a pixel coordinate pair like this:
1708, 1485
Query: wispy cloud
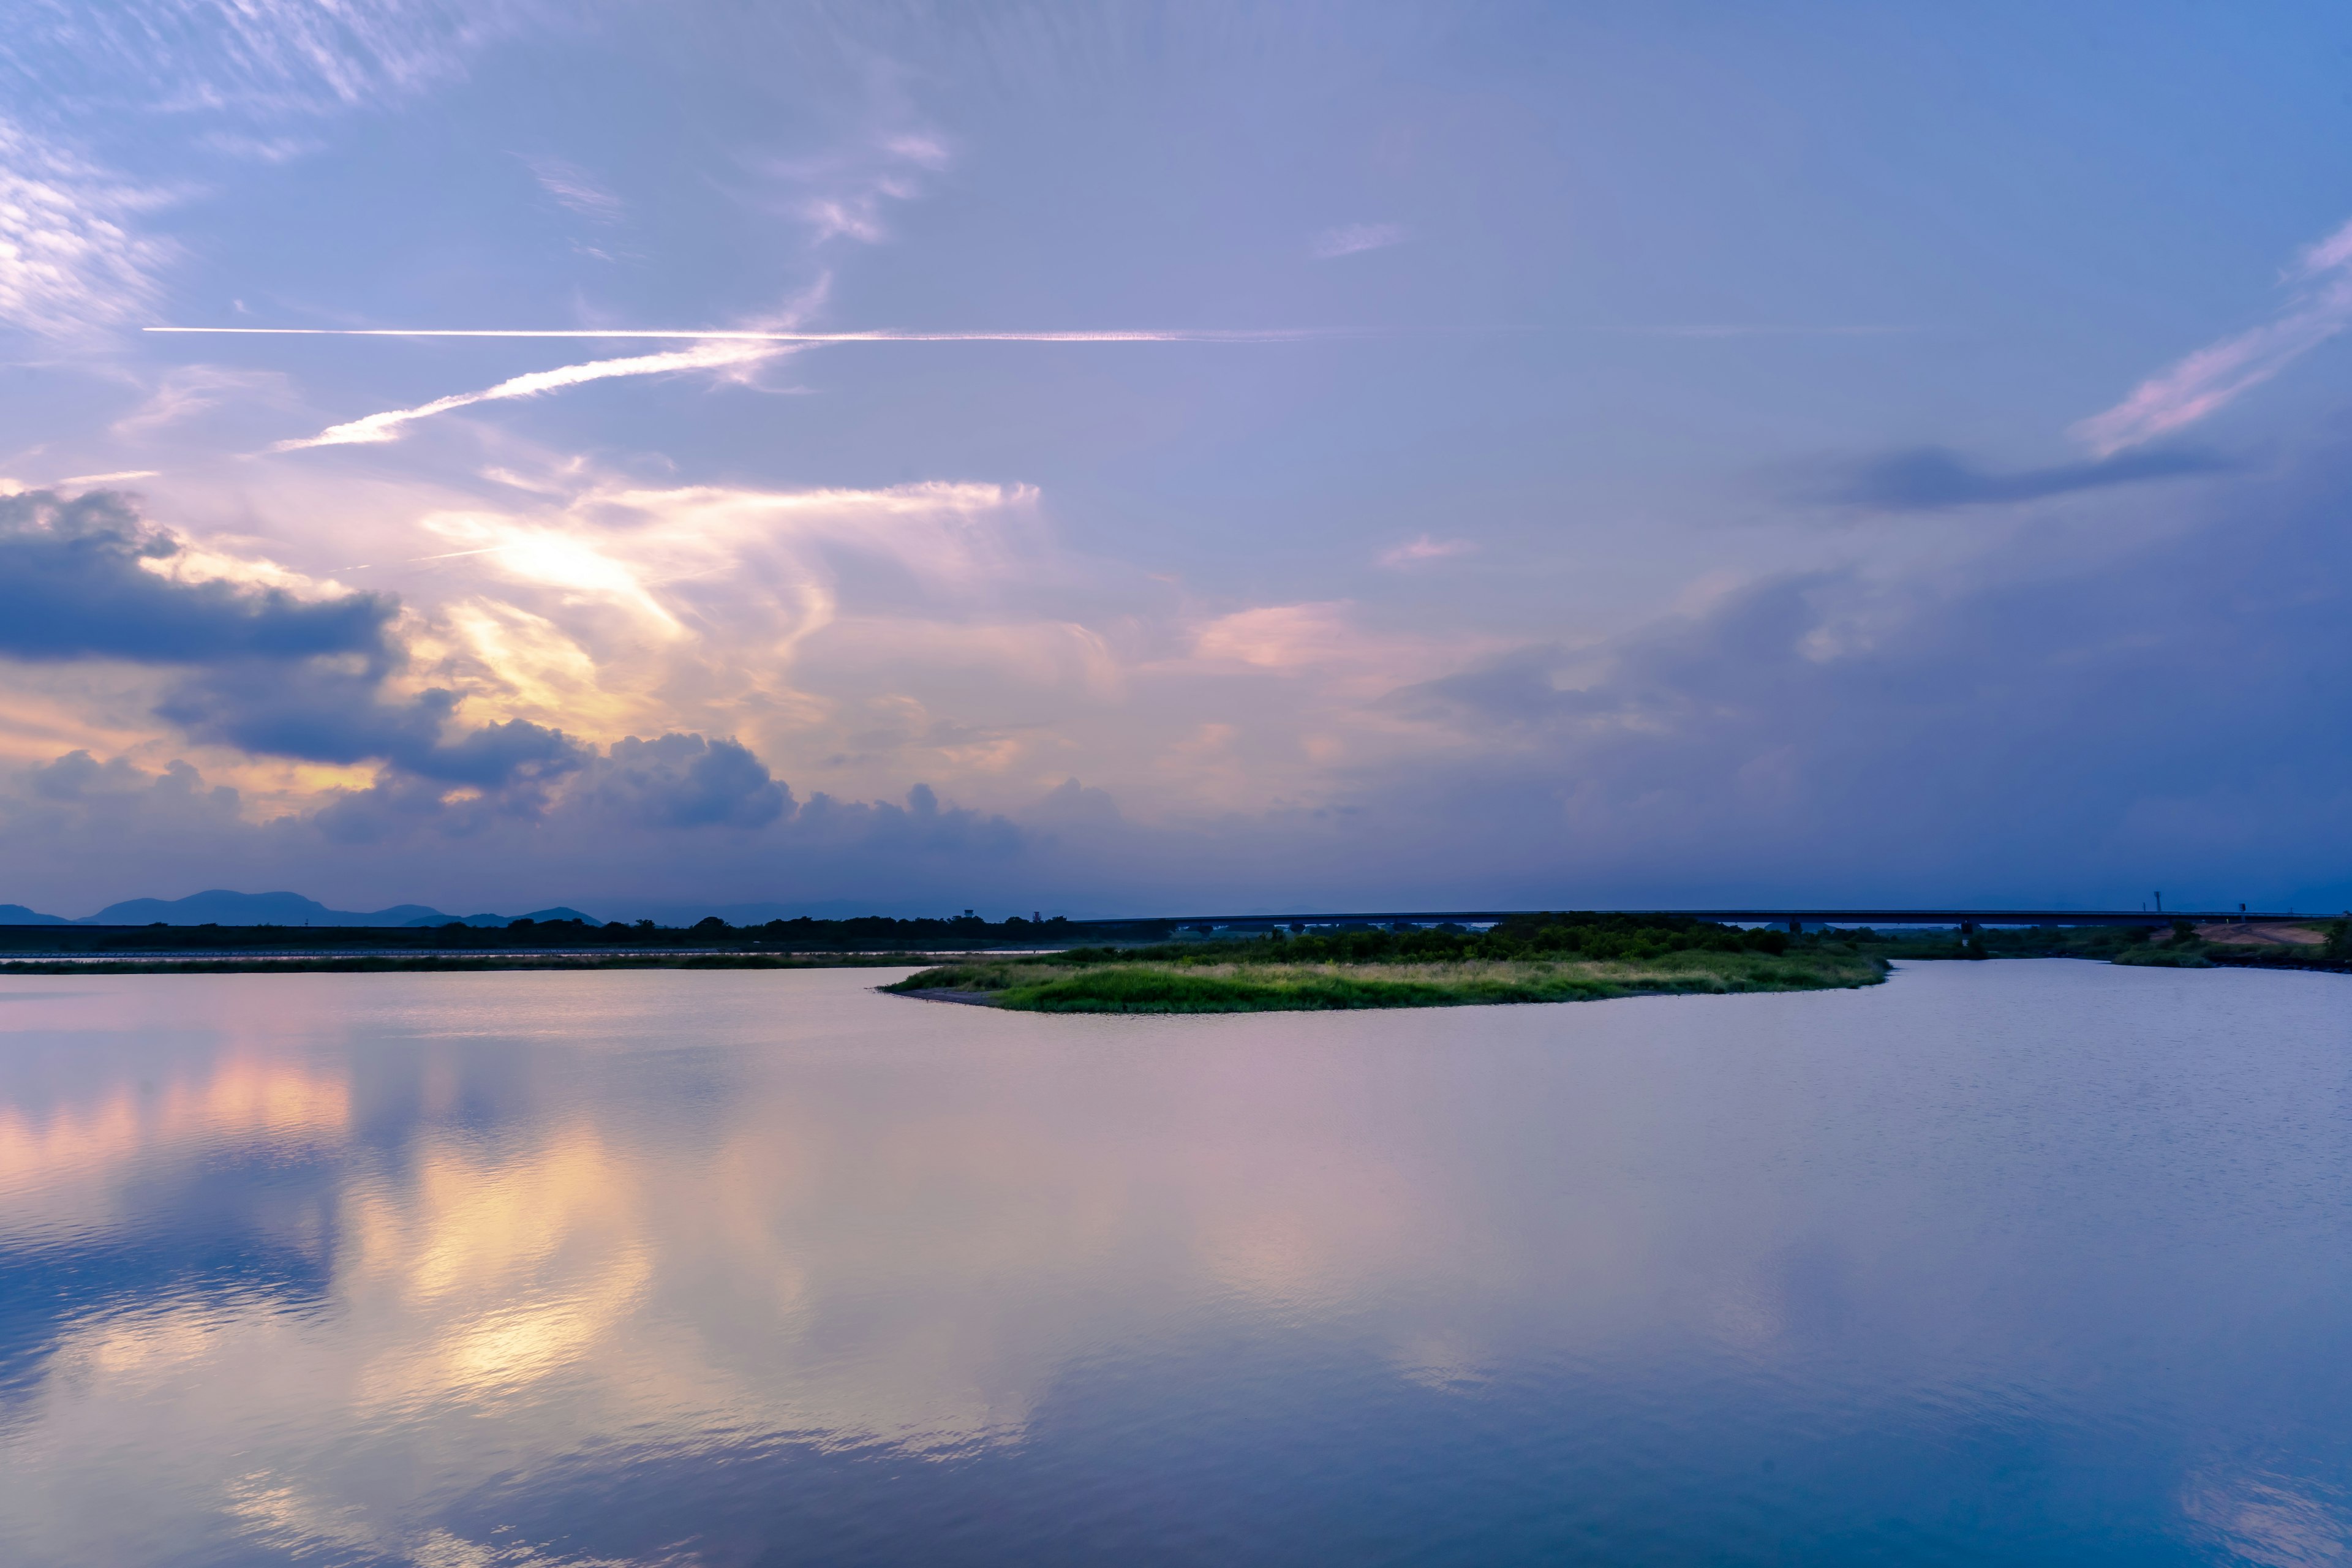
387, 426
265, 57
1934, 479
576, 189
845, 193
191, 390
1760, 330
70, 259
1413, 552
2213, 376
1349, 239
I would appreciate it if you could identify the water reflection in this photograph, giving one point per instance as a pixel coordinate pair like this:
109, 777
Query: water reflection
719, 1268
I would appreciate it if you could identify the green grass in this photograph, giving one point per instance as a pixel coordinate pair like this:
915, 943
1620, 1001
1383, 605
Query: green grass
1081, 984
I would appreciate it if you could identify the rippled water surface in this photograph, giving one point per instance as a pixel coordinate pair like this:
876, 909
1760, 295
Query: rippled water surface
2017, 1262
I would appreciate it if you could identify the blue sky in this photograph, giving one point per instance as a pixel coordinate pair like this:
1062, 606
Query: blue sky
1550, 455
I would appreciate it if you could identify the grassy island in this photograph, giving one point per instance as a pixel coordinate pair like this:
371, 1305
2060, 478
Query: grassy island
1529, 958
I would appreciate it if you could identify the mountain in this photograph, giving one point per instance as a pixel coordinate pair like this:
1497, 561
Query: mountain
222, 907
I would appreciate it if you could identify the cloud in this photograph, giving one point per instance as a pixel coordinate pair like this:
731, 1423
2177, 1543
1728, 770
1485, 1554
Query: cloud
387, 426
322, 713
2214, 376
686, 781
1413, 552
70, 259
186, 391
271, 672
247, 57
1350, 239
89, 578
577, 190
1930, 478
1280, 636
1849, 734
72, 256
842, 194
2055, 724
2015, 729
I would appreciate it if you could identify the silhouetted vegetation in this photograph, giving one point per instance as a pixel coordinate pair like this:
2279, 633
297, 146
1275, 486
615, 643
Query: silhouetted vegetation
1599, 937
1655, 945
444, 964
872, 933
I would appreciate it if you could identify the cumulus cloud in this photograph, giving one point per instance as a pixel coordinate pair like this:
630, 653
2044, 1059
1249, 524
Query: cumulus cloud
268, 672
89, 578
1934, 479
2062, 735
321, 712
2216, 376
2047, 727
687, 781
678, 815
79, 832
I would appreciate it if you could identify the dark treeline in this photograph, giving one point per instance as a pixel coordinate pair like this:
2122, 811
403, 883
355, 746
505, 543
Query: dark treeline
1533, 935
1562, 935
868, 933
1565, 935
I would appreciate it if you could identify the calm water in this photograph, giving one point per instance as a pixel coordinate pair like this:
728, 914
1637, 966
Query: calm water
2019, 1262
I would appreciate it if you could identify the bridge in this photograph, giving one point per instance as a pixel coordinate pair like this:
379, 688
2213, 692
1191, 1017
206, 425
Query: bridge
1794, 919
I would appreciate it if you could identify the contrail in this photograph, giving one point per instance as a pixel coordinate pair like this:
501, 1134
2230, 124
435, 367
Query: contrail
713, 348
385, 427
1124, 335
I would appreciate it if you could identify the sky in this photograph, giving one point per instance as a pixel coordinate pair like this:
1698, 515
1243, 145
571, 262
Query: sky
1187, 459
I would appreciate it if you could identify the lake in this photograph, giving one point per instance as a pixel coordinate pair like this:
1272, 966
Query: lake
2013, 1262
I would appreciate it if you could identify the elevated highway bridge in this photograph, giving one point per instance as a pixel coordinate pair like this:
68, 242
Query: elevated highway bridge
1760, 914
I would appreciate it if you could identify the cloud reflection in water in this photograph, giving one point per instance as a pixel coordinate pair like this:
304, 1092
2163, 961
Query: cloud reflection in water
540, 1268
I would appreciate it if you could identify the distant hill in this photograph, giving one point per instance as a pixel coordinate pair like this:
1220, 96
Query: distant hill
222, 907
561, 913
